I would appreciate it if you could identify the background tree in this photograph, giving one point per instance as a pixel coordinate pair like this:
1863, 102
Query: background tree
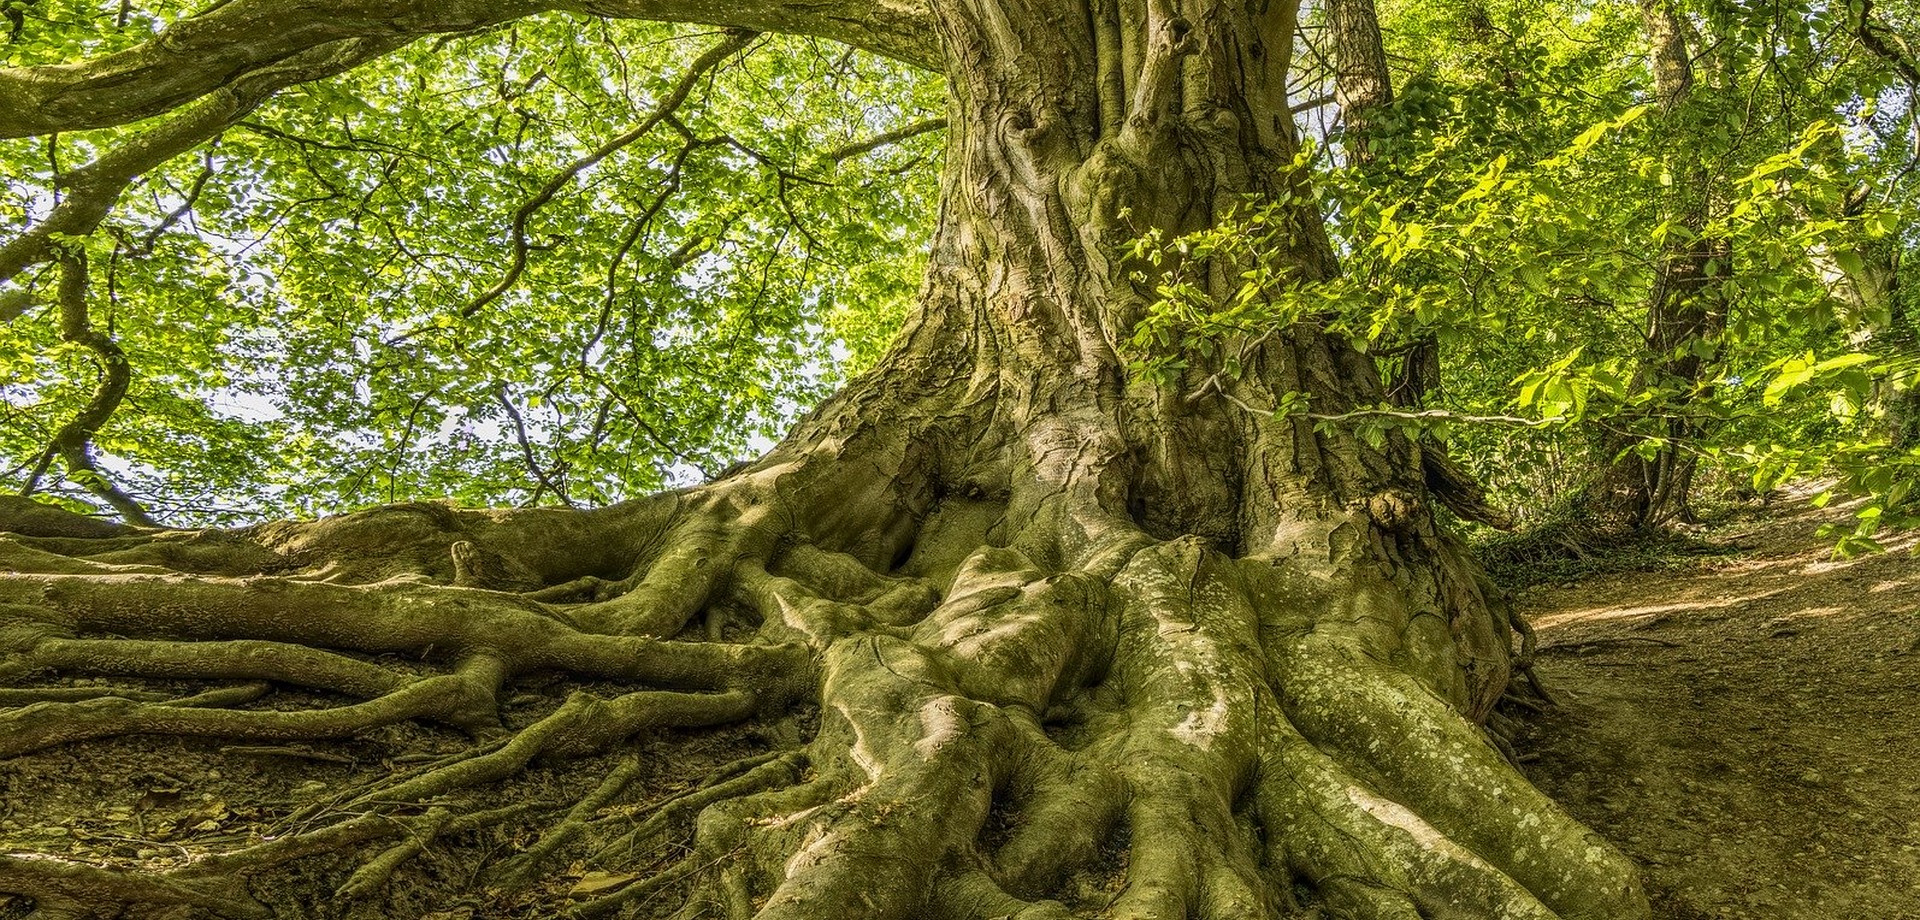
1010, 610
1686, 310
1363, 87
1517, 193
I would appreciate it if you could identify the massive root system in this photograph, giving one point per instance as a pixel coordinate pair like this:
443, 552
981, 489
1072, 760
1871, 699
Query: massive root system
993, 687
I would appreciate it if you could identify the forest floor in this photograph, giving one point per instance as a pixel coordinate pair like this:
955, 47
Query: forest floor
1747, 726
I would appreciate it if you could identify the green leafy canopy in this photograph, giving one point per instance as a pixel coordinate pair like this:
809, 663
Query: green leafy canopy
323, 308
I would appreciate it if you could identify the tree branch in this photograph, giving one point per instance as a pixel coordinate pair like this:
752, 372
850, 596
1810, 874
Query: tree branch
74, 441
1884, 42
883, 139
555, 484
200, 54
712, 58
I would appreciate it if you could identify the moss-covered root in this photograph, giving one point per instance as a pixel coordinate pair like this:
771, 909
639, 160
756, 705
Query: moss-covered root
923, 726
1235, 726
465, 698
75, 889
184, 627
1189, 667
1420, 758
922, 776
971, 761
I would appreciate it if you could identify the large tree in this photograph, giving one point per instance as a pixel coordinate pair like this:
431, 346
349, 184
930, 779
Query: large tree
1022, 612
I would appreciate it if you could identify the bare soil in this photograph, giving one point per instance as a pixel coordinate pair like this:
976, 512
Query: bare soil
1747, 729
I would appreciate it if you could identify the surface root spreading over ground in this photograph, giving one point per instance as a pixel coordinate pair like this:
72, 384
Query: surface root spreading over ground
977, 728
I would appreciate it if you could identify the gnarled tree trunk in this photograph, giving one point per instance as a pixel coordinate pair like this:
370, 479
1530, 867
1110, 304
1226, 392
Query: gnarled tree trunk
1054, 620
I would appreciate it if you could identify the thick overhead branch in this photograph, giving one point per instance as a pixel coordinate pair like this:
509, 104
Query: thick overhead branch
200, 54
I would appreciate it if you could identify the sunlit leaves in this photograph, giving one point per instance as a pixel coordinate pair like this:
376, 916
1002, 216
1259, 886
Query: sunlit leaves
295, 296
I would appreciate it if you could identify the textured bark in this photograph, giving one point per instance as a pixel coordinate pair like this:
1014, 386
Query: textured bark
1053, 619
1361, 83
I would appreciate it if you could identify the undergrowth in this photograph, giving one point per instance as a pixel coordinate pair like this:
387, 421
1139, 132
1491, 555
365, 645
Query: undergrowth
1566, 546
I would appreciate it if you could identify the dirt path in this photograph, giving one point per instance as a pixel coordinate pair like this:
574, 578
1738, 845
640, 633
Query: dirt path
1750, 730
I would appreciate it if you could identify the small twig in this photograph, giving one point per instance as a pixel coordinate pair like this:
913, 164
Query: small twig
374, 875
520, 871
772, 771
225, 696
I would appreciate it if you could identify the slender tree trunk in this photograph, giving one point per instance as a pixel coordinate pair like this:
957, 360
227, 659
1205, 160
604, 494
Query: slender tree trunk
1685, 314
1364, 86
1054, 619
1899, 400
1361, 82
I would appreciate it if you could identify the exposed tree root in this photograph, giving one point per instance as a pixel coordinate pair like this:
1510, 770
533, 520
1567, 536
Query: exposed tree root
1024, 643
992, 725
88, 886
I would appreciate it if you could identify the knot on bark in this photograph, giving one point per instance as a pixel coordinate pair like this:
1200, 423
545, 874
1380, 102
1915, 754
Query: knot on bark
1179, 37
1394, 509
467, 567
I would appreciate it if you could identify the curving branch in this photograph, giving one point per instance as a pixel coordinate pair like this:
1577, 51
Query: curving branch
73, 443
549, 479
713, 57
1885, 43
201, 54
664, 112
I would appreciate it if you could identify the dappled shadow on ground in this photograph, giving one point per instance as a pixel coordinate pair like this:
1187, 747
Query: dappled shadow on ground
1749, 730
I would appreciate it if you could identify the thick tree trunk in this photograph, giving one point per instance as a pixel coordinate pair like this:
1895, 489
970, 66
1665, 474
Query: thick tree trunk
1055, 619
